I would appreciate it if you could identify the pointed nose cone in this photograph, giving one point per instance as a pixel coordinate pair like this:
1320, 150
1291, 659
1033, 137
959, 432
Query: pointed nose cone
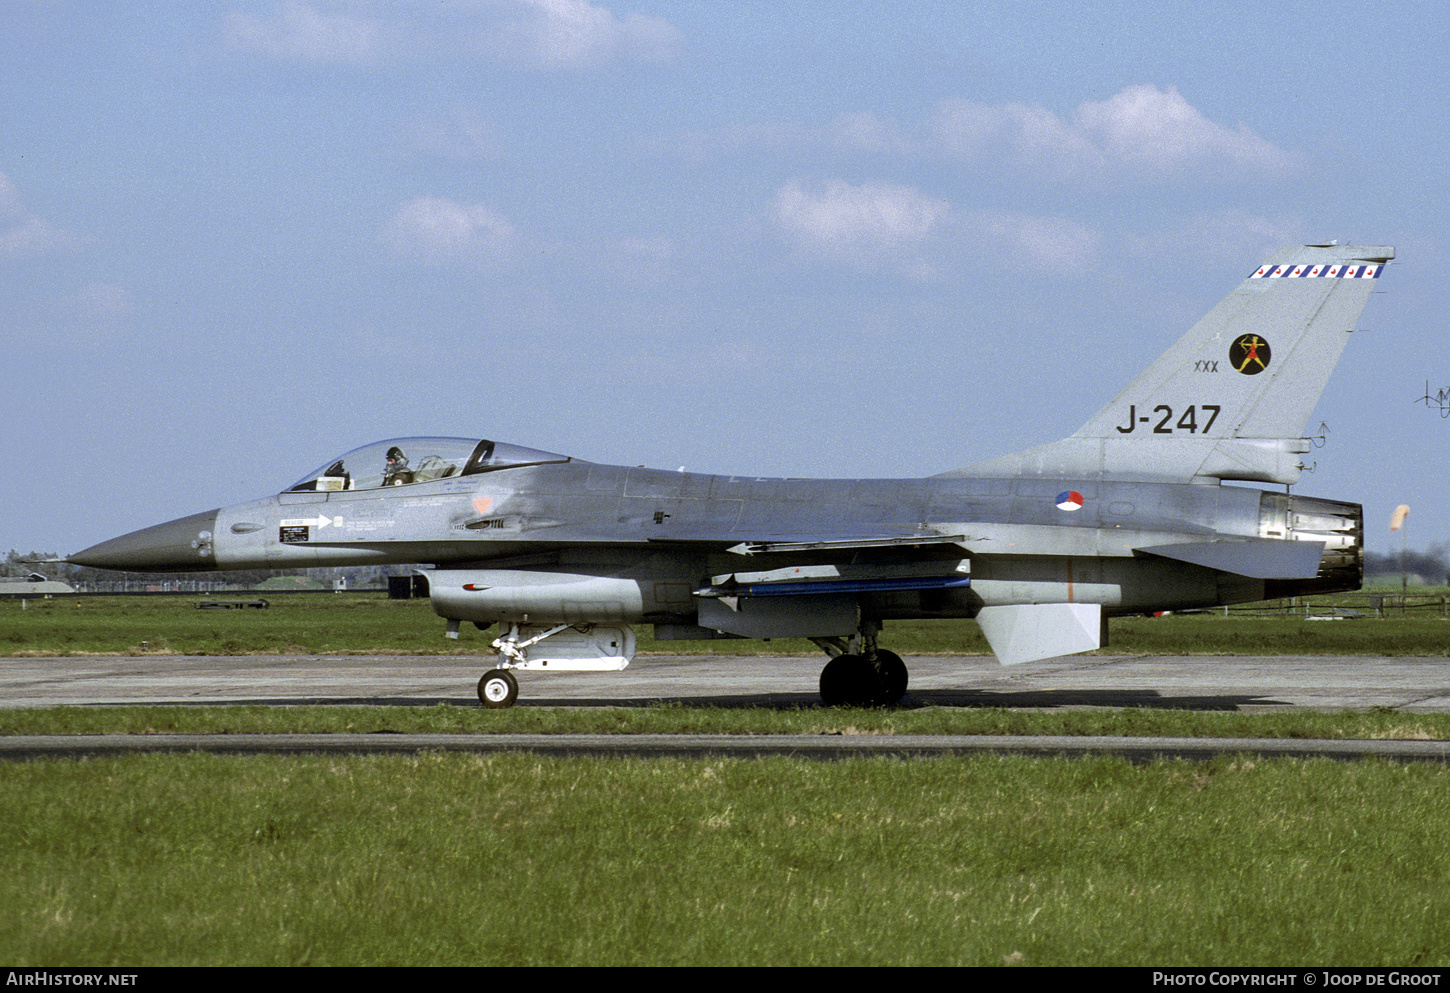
182, 545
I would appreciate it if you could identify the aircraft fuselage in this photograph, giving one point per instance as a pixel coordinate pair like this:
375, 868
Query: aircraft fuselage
669, 532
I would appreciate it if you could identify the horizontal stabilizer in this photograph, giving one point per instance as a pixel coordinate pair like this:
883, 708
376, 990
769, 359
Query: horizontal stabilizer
1030, 631
1264, 558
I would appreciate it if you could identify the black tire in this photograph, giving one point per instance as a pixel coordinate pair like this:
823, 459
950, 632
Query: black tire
893, 670
836, 679
498, 689
851, 681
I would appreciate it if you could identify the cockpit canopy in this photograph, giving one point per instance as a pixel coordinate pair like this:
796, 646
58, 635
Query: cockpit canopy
402, 461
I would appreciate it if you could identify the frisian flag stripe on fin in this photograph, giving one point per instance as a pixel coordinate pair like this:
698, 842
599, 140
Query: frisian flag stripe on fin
1230, 399
1321, 271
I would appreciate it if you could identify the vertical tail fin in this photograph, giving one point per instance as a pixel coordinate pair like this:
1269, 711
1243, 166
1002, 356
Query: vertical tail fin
1230, 399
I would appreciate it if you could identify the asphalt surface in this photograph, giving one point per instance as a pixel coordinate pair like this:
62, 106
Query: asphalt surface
1235, 683
820, 747
1219, 683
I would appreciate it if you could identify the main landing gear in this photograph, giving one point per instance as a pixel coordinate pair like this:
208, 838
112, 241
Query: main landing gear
860, 674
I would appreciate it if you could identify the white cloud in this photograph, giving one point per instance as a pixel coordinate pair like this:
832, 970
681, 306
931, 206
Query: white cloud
1140, 130
438, 231
1140, 133
542, 34
871, 225
1159, 129
967, 130
25, 235
299, 31
842, 216
570, 34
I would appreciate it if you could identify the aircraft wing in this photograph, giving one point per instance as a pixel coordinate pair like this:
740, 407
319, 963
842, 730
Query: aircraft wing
766, 542
830, 543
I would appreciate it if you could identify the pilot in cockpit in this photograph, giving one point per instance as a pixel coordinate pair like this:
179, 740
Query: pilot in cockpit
395, 468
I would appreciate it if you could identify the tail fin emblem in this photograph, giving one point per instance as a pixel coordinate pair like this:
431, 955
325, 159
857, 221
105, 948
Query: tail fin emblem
1249, 354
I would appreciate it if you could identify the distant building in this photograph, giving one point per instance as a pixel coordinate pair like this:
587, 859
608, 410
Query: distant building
32, 585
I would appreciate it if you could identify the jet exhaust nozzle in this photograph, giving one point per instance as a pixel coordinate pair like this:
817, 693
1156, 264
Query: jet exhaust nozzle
1339, 525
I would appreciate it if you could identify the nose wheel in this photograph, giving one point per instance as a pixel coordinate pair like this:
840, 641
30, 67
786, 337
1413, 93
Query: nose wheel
498, 689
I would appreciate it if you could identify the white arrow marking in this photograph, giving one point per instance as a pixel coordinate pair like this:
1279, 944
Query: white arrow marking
318, 522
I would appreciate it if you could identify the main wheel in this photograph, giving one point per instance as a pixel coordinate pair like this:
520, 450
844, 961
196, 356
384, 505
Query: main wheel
852, 681
498, 689
893, 670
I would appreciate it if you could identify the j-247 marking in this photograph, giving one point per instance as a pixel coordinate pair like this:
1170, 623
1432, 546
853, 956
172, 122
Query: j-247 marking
1166, 425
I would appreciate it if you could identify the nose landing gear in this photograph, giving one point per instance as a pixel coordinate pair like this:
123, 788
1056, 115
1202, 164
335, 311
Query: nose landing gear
498, 689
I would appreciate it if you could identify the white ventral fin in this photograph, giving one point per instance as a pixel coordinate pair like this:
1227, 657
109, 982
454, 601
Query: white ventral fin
1031, 631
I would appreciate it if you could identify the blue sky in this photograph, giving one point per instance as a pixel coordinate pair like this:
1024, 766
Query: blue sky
817, 239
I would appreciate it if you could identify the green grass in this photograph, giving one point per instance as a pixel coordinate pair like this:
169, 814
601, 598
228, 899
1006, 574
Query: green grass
303, 623
362, 623
676, 719
1214, 634
512, 860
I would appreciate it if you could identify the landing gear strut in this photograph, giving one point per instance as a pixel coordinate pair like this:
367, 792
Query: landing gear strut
860, 674
551, 648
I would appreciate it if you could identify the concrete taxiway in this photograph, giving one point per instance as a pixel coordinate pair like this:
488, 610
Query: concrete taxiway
1227, 683
1230, 683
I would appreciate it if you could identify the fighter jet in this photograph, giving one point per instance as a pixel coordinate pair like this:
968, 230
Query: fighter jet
1126, 516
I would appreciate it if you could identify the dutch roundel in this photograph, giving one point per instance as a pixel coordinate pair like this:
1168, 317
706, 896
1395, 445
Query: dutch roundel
1069, 500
